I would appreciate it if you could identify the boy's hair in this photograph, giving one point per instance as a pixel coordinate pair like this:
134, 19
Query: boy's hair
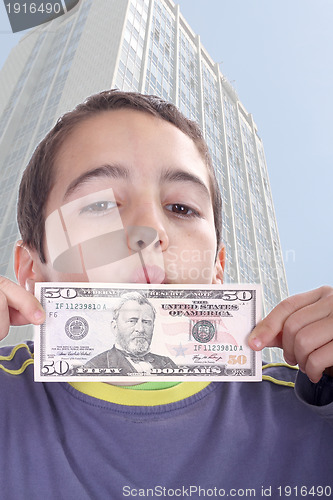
38, 177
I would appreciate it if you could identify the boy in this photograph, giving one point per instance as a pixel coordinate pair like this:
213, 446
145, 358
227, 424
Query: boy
94, 440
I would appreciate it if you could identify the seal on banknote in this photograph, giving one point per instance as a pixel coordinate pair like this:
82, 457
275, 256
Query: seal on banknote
203, 331
76, 328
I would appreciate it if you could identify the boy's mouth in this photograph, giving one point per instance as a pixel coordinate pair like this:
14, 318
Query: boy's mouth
148, 274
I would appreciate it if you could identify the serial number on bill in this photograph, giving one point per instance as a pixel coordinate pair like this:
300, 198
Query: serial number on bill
80, 307
217, 347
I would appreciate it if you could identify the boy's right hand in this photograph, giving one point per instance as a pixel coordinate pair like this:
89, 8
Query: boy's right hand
17, 307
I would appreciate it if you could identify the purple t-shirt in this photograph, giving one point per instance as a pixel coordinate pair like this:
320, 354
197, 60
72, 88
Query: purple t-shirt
60, 443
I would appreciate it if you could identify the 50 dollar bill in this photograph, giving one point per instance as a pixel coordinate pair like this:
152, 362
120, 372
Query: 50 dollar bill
130, 333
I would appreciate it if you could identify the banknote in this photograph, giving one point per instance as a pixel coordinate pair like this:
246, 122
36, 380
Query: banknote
134, 333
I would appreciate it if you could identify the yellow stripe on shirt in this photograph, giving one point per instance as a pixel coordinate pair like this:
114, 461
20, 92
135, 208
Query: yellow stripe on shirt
130, 397
276, 381
24, 365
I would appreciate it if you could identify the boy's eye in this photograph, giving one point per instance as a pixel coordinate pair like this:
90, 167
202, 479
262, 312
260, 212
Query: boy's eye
98, 207
180, 209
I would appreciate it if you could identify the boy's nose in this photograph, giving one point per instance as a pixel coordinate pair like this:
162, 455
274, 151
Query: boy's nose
141, 237
146, 228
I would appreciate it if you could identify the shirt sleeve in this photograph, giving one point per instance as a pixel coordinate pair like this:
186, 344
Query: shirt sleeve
319, 397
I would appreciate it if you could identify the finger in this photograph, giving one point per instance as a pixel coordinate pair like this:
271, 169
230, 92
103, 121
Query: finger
297, 323
267, 333
311, 338
4, 317
16, 318
18, 299
318, 361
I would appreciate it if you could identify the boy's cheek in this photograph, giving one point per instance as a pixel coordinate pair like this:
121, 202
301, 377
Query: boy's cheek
172, 272
172, 253
189, 274
189, 265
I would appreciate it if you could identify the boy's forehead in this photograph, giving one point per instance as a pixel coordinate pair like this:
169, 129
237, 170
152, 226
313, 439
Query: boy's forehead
114, 127
135, 139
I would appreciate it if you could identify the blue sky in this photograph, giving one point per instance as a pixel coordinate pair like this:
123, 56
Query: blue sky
278, 55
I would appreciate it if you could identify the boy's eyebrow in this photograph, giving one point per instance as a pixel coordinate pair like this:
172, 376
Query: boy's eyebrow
184, 176
113, 171
121, 172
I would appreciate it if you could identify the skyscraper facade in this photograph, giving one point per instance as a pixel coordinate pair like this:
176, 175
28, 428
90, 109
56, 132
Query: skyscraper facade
146, 46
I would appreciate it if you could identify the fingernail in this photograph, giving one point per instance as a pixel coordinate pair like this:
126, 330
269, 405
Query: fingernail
39, 316
256, 342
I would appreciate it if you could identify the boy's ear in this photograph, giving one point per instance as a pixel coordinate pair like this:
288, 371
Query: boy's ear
26, 267
219, 266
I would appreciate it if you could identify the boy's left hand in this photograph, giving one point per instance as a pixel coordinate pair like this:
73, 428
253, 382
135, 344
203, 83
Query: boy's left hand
302, 325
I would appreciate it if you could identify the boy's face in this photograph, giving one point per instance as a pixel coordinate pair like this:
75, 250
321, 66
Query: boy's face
131, 203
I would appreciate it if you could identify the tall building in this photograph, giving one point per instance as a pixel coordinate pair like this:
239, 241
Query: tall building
146, 46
